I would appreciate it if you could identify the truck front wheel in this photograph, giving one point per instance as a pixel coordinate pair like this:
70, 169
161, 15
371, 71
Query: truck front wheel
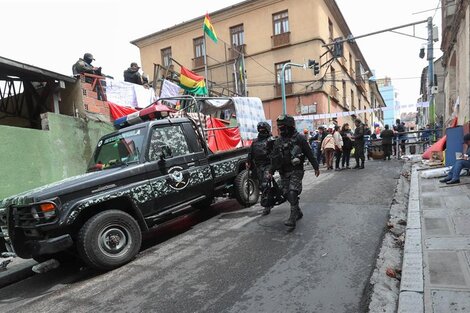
246, 189
109, 239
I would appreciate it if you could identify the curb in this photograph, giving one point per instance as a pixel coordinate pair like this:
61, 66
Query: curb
411, 299
16, 272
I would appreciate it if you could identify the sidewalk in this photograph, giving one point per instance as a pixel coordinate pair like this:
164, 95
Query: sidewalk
17, 270
436, 262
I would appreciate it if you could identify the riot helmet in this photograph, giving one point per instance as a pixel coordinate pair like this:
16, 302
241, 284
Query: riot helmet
286, 125
88, 58
264, 127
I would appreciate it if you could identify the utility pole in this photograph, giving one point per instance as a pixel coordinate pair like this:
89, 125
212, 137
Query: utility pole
430, 71
283, 83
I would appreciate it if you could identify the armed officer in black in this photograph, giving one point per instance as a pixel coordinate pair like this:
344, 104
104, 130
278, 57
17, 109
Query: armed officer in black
258, 157
289, 152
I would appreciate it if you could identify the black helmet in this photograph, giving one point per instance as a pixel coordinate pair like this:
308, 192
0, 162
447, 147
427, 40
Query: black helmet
285, 120
263, 126
88, 56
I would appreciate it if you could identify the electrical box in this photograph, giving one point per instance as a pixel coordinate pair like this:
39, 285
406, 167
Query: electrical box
434, 90
435, 34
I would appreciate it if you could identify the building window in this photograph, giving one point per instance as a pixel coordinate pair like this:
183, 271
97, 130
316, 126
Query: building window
287, 73
166, 57
237, 35
237, 39
351, 67
344, 94
199, 49
330, 29
281, 23
333, 76
352, 99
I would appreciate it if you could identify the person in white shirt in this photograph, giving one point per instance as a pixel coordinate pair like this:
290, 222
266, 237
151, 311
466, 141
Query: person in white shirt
338, 147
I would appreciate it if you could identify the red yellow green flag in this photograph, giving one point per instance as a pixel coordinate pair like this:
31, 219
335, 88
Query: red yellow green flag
192, 82
209, 28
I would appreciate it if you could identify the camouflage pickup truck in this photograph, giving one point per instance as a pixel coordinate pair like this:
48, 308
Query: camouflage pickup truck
138, 177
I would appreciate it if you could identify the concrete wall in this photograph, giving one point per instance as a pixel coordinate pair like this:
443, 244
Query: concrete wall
30, 158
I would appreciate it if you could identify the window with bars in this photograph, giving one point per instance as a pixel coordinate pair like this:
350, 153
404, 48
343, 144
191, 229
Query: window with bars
199, 48
287, 73
166, 57
281, 23
237, 35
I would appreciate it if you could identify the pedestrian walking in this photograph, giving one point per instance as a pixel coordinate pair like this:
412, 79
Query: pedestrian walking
347, 134
328, 148
258, 158
289, 152
387, 141
338, 147
359, 144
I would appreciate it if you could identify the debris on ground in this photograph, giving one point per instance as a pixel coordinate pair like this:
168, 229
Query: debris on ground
4, 263
385, 291
46, 266
391, 273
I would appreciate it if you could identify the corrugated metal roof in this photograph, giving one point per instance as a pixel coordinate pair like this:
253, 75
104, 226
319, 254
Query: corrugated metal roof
29, 72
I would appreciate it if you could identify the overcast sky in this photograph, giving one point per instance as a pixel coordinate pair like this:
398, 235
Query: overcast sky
53, 34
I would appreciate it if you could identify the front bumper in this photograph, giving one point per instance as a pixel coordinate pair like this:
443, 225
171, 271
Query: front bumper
49, 246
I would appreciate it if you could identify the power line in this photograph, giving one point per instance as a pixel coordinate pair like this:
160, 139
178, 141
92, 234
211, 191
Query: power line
437, 7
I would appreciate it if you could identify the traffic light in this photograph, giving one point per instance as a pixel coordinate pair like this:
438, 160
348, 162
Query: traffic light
315, 65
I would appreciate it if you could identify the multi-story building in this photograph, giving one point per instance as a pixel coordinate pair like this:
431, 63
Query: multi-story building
455, 46
389, 94
270, 33
423, 116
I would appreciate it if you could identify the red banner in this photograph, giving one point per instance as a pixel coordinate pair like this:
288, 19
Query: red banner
222, 139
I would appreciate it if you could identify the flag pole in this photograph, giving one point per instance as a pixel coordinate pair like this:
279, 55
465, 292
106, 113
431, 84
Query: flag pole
204, 41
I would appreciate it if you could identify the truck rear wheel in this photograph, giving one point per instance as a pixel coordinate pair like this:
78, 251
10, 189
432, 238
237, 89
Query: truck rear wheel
109, 239
246, 189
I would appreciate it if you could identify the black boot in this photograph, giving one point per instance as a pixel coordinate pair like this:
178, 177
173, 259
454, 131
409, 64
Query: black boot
266, 211
293, 217
357, 166
362, 164
300, 214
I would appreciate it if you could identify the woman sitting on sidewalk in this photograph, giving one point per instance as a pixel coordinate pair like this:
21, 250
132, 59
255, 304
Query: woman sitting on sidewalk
454, 175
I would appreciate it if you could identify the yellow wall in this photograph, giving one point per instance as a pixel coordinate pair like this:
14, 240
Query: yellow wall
308, 19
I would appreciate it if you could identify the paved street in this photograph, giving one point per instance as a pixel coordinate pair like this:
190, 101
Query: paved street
231, 260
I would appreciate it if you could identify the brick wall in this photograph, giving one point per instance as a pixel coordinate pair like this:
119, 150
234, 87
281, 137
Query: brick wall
92, 100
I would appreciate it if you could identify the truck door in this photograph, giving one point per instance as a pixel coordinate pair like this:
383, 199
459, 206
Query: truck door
176, 171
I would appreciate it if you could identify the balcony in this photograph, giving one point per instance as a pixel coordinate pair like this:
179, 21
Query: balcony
360, 83
278, 91
236, 50
198, 62
280, 40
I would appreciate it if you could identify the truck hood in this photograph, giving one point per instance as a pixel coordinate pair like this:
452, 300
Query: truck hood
84, 182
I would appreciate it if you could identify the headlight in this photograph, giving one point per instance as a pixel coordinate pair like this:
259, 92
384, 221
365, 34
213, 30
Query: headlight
44, 210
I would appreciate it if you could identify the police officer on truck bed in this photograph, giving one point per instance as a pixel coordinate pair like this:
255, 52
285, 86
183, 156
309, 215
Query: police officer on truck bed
258, 157
289, 152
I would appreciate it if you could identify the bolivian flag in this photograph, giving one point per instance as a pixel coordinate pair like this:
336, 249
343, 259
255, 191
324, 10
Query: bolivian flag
209, 28
192, 82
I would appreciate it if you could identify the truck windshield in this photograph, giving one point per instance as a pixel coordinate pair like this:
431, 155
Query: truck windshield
117, 150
